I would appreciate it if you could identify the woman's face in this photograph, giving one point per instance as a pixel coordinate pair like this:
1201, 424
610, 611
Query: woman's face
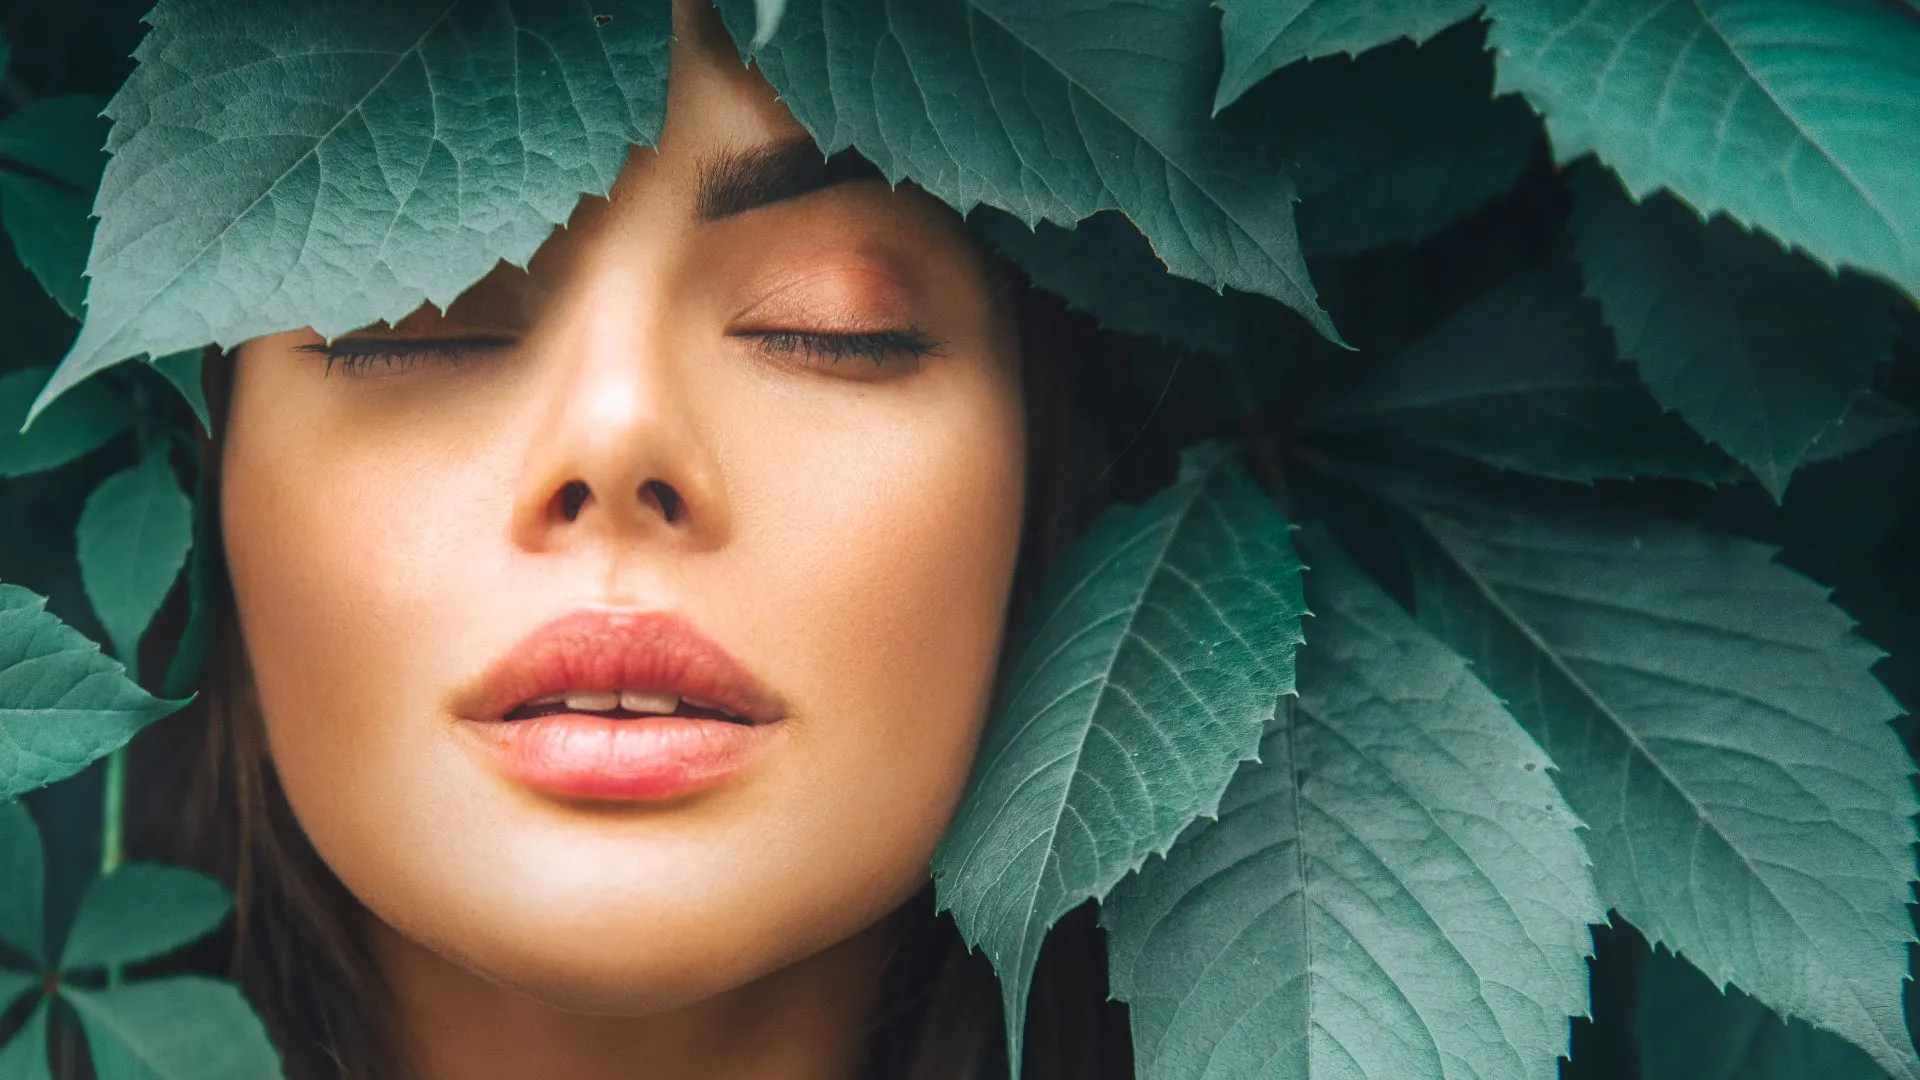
768, 410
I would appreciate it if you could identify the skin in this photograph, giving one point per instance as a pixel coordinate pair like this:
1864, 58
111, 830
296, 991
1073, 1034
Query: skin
847, 530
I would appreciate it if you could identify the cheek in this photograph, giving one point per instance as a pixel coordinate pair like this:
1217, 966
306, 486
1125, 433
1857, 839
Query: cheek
891, 544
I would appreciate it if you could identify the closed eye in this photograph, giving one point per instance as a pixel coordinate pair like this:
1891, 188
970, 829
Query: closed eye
359, 355
818, 347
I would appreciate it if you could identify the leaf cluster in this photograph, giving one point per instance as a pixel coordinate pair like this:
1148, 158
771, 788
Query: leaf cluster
1483, 695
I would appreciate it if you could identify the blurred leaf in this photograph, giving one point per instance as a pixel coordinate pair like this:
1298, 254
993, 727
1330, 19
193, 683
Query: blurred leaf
182, 369
284, 165
12, 985
1869, 420
1262, 36
1716, 725
1688, 1030
80, 424
25, 1058
1800, 117
22, 885
186, 1027
1759, 350
1104, 267
46, 205
1525, 379
1393, 887
767, 15
1003, 102
1398, 143
140, 911
189, 658
1153, 658
62, 703
132, 540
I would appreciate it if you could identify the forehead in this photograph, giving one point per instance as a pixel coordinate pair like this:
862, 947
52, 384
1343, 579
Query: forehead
714, 100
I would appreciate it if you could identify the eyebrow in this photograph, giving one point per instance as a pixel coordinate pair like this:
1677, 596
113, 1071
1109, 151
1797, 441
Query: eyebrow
741, 180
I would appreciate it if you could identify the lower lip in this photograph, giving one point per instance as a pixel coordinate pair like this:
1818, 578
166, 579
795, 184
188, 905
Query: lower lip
636, 760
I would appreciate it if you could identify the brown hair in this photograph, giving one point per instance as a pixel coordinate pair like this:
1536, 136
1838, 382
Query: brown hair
203, 793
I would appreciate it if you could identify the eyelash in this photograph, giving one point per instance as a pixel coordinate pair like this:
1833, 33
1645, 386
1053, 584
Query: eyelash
358, 355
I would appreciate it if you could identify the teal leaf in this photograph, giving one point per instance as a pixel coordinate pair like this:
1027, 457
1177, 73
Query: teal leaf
45, 205
1396, 144
1869, 420
1104, 267
80, 424
1054, 110
13, 984
1799, 117
186, 1027
182, 369
140, 911
1759, 350
1394, 890
25, 1058
1689, 1030
766, 20
1525, 379
1263, 36
62, 703
1156, 654
1717, 726
133, 537
331, 165
22, 884
189, 658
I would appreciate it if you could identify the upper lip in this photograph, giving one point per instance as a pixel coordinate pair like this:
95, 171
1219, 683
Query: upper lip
601, 649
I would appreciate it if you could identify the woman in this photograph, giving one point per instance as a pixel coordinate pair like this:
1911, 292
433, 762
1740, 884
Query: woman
607, 656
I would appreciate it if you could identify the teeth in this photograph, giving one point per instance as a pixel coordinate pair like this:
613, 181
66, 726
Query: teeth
703, 703
639, 701
646, 702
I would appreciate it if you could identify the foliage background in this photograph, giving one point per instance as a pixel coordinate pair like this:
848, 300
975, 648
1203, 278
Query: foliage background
1578, 340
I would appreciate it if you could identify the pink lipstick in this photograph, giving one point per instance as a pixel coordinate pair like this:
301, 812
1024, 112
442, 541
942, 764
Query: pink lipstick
619, 705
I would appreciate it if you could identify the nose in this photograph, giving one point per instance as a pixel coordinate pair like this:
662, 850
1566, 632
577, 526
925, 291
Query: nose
617, 455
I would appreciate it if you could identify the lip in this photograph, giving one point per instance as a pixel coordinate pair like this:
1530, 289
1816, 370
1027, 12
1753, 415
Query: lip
637, 759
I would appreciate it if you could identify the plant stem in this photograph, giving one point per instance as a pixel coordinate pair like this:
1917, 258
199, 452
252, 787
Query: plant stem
110, 828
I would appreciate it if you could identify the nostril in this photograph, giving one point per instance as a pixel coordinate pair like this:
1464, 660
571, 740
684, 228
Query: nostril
572, 497
668, 498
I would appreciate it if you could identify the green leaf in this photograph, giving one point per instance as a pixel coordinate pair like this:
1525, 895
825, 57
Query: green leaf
766, 20
62, 703
189, 658
1396, 144
1759, 350
1688, 1030
1051, 109
22, 885
182, 369
1104, 267
12, 985
133, 538
187, 1027
1525, 379
50, 162
1262, 36
1157, 651
78, 425
330, 165
140, 911
1870, 419
1393, 891
1800, 117
25, 1058
1717, 726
